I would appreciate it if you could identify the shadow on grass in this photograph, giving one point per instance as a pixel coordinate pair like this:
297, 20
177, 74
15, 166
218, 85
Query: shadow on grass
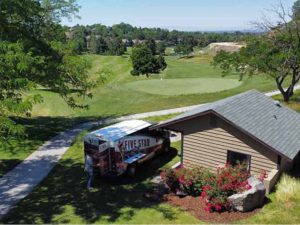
37, 131
63, 193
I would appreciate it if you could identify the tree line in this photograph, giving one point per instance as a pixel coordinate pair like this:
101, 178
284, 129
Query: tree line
113, 40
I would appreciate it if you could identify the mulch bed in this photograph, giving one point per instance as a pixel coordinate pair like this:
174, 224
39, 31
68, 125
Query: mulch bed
195, 205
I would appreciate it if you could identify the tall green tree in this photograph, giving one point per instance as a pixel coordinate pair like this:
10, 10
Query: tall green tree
30, 58
79, 41
151, 45
116, 46
161, 48
275, 54
296, 10
162, 65
98, 45
144, 62
183, 49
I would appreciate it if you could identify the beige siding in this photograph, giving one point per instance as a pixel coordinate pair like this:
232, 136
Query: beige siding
207, 146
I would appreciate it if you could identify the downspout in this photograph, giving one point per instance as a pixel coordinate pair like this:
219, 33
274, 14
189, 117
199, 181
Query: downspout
181, 150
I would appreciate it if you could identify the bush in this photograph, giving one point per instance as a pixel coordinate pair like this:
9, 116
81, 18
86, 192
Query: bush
190, 181
214, 188
229, 180
197, 178
169, 177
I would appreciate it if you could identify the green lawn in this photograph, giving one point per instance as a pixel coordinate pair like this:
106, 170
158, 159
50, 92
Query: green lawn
173, 87
38, 130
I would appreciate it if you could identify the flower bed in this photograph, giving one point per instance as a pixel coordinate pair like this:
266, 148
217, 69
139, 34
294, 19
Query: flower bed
214, 189
196, 205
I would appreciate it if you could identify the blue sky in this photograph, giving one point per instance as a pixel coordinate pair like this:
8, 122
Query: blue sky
203, 15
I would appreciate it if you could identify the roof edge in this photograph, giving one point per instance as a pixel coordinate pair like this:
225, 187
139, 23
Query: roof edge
164, 124
167, 123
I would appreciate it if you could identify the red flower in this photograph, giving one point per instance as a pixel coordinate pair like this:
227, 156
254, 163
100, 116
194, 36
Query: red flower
218, 207
208, 207
203, 194
181, 179
189, 183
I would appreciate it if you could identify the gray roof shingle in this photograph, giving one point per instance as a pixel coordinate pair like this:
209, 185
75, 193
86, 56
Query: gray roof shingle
262, 117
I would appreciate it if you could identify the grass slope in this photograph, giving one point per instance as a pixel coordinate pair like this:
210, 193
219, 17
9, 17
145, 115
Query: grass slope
113, 98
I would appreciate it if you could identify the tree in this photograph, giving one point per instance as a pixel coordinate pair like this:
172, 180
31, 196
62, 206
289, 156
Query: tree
144, 62
275, 54
55, 10
94, 47
102, 46
296, 10
116, 46
151, 45
78, 34
183, 49
30, 57
98, 45
162, 65
161, 48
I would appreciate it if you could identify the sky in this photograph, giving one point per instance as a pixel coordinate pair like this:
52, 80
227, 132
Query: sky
187, 15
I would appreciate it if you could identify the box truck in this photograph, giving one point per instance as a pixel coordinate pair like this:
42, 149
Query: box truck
119, 148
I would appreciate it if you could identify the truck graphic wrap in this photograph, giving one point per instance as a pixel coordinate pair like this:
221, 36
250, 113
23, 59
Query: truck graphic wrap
126, 144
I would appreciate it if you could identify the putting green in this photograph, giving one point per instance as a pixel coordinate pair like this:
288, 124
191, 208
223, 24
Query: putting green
183, 86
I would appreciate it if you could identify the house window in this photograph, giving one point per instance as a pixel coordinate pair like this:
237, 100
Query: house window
235, 157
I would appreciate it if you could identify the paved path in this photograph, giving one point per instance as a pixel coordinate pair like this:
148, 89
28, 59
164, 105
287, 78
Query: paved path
19, 182
272, 93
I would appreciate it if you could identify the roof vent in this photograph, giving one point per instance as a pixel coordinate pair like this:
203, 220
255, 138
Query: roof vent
277, 103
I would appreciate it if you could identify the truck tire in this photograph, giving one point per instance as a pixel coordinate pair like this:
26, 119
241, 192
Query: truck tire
166, 147
131, 170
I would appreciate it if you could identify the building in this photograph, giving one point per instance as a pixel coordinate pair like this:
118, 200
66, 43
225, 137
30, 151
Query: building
249, 127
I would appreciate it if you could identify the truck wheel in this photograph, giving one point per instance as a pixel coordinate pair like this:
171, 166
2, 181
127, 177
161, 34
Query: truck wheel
166, 147
131, 170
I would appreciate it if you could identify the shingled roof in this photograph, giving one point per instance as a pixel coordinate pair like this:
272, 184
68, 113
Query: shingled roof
258, 115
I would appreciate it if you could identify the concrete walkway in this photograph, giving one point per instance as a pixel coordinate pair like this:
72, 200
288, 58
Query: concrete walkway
19, 182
